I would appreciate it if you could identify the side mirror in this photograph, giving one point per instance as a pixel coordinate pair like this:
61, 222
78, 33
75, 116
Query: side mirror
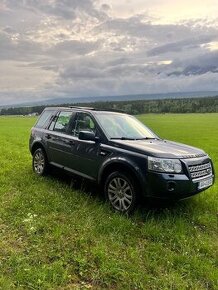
88, 136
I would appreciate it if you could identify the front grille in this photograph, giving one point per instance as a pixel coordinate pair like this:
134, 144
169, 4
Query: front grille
200, 170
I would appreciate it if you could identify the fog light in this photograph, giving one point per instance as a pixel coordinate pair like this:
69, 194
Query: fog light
171, 185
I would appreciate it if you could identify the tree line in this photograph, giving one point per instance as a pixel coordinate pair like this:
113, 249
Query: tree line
187, 105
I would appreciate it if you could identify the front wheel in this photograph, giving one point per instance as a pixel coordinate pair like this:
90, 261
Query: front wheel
40, 163
121, 191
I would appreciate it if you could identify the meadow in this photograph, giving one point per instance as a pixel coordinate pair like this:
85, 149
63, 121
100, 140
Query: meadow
53, 236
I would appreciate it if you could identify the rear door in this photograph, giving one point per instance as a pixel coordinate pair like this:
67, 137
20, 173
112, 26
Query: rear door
59, 142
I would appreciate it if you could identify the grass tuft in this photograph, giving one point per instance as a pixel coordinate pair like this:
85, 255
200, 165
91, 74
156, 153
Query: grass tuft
56, 237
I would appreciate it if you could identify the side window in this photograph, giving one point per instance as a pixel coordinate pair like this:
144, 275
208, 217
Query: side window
62, 122
83, 122
44, 118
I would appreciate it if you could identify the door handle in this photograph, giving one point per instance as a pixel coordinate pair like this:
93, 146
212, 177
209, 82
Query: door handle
69, 142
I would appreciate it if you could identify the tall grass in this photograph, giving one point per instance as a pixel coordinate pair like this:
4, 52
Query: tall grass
56, 237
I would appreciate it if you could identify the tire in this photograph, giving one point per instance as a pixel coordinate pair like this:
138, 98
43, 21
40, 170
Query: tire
40, 163
121, 191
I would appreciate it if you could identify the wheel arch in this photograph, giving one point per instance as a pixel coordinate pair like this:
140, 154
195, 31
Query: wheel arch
36, 146
123, 166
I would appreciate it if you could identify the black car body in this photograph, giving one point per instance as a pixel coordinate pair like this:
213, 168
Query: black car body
88, 143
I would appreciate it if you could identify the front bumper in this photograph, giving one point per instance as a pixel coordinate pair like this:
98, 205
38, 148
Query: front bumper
178, 186
173, 186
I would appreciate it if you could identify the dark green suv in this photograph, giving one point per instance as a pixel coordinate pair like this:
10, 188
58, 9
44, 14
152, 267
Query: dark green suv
120, 154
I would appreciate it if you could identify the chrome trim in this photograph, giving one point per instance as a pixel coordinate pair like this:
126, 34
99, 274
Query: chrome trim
202, 178
200, 170
193, 168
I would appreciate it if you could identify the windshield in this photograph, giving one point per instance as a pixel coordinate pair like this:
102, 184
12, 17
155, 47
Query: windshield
120, 126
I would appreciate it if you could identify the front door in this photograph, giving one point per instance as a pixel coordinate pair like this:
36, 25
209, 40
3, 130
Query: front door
86, 158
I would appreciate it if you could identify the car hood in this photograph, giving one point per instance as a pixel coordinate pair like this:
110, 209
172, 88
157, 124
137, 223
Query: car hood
160, 148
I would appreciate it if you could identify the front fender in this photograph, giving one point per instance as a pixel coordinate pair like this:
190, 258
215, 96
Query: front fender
129, 164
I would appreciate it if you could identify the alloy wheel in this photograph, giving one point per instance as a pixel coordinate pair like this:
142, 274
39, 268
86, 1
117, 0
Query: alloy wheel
120, 194
39, 163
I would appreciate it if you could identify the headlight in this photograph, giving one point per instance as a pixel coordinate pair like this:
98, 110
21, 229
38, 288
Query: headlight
164, 165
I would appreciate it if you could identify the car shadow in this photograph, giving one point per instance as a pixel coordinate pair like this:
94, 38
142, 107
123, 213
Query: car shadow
163, 209
147, 207
75, 182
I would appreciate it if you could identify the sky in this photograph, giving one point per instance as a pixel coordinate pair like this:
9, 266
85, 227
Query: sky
82, 48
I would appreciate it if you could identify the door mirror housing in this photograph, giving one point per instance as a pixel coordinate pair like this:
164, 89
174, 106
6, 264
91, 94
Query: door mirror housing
88, 136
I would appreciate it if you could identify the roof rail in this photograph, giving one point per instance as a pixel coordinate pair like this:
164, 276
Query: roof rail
98, 109
110, 110
82, 108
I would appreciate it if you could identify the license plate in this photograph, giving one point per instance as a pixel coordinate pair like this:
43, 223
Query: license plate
205, 183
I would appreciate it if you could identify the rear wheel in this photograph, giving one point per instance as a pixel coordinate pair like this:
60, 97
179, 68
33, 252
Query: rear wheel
121, 192
40, 163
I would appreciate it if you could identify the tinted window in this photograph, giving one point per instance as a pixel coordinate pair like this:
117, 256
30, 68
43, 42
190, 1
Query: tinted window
83, 122
44, 118
62, 122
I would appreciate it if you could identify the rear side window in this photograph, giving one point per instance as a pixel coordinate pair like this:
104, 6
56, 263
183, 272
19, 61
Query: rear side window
62, 122
44, 118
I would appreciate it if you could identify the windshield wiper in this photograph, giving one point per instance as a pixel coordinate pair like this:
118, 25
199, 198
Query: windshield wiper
146, 138
130, 138
122, 138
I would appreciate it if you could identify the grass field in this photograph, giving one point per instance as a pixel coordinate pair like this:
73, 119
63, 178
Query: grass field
56, 237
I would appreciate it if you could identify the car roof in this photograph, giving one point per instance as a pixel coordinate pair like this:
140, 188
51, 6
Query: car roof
85, 109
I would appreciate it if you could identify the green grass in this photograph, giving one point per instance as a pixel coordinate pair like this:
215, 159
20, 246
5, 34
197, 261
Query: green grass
54, 237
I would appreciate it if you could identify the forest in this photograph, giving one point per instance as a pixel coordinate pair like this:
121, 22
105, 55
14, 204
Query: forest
185, 105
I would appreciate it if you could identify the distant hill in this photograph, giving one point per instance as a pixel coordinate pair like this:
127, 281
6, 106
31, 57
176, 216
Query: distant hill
134, 107
72, 100
125, 98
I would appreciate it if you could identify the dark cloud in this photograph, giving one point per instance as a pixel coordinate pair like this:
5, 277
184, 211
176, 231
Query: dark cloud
195, 70
81, 72
66, 9
142, 27
22, 50
85, 51
105, 7
188, 43
199, 65
72, 47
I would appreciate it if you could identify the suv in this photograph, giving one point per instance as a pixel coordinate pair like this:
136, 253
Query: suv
120, 154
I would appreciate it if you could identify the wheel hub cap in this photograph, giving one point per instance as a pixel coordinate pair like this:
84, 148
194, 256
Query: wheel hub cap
39, 163
120, 193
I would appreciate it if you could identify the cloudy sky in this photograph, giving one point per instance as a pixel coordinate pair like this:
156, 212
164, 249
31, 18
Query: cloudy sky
81, 48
